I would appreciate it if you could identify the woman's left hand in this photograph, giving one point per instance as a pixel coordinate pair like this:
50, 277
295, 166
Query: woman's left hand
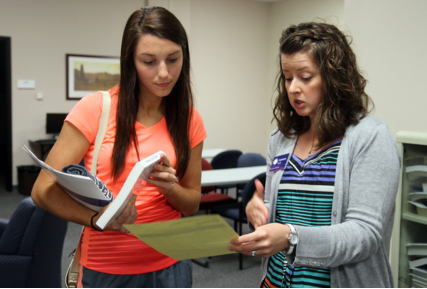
266, 241
163, 176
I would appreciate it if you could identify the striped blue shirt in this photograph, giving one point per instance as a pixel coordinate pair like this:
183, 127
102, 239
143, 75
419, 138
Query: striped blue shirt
305, 198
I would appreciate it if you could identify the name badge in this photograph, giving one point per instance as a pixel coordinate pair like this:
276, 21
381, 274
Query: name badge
279, 163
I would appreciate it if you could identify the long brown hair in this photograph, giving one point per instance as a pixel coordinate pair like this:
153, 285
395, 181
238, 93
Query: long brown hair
161, 23
344, 100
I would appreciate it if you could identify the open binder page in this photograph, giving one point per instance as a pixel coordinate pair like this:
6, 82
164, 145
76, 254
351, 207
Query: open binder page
80, 188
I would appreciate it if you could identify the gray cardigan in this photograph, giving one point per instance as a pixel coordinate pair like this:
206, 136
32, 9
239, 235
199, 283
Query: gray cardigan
356, 246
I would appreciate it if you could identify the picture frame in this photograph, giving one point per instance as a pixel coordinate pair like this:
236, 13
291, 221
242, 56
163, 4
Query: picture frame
87, 74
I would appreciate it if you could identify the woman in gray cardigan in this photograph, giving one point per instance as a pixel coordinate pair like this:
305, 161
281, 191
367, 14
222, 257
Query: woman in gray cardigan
332, 173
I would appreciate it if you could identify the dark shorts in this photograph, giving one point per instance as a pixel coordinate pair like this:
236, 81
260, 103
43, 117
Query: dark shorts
178, 275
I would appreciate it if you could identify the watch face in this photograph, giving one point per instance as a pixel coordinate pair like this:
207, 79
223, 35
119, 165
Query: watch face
293, 239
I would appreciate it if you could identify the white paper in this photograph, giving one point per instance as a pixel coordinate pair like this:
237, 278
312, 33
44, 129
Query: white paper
133, 184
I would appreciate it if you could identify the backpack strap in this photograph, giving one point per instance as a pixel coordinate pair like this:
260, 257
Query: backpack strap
72, 275
102, 128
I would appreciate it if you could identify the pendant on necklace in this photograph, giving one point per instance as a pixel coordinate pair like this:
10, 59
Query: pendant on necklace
310, 153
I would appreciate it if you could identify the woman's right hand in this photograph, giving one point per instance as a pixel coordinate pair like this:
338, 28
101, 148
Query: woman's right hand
256, 210
128, 216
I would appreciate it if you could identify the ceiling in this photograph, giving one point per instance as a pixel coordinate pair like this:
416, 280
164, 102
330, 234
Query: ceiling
268, 0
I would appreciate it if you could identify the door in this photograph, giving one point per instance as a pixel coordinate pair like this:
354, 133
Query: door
5, 114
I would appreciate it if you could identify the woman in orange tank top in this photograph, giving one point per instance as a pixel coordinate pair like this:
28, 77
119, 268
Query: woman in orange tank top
151, 110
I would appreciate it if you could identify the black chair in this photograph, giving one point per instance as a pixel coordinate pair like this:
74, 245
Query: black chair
226, 160
249, 160
237, 211
31, 244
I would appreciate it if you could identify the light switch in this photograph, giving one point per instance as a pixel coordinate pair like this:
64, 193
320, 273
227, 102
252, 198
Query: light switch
26, 84
39, 95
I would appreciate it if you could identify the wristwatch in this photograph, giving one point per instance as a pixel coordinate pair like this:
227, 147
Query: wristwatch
292, 240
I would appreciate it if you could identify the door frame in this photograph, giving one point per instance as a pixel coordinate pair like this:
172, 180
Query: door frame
6, 43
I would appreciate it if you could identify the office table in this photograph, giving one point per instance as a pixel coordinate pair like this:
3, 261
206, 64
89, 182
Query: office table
231, 176
210, 153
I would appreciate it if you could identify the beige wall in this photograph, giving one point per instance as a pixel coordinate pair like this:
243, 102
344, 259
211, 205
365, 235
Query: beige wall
42, 32
233, 46
228, 45
230, 51
390, 42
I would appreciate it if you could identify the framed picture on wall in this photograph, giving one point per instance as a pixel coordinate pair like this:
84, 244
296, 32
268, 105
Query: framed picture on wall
89, 73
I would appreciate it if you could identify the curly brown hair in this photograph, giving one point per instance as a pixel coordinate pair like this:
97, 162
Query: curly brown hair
344, 101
